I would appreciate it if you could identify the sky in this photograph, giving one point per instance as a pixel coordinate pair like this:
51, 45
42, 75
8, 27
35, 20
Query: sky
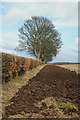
64, 16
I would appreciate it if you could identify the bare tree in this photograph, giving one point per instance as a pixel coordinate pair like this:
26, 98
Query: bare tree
39, 37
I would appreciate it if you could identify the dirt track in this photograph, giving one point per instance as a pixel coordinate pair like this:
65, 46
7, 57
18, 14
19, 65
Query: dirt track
51, 81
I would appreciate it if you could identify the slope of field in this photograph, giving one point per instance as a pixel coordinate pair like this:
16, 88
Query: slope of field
52, 93
9, 89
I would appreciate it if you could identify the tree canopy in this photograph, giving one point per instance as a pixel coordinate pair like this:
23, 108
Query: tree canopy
39, 37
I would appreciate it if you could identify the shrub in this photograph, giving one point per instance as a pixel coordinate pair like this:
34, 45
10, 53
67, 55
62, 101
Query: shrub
13, 65
31, 65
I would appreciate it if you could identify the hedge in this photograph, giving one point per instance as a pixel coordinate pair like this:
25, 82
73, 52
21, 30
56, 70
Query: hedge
15, 65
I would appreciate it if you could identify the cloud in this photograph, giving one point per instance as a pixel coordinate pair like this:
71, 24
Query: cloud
0, 42
66, 55
8, 51
62, 23
66, 14
9, 41
16, 14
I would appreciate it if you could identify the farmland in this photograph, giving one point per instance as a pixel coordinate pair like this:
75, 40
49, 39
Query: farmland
72, 67
14, 72
41, 91
10, 88
51, 93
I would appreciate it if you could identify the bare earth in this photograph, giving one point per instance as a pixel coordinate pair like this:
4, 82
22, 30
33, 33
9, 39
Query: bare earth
52, 93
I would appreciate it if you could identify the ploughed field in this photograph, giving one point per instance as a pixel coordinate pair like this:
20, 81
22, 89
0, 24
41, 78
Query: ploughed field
52, 93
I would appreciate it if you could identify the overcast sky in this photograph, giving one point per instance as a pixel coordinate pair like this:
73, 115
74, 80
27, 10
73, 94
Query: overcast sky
64, 16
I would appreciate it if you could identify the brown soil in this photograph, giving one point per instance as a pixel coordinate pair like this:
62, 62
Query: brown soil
51, 81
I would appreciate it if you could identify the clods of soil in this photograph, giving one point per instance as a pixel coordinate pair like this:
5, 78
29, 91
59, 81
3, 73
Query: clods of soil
51, 82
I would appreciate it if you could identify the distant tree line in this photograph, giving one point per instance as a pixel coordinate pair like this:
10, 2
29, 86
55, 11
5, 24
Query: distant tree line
65, 63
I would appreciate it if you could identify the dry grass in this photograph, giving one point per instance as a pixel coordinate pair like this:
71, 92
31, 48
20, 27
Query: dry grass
72, 67
50, 105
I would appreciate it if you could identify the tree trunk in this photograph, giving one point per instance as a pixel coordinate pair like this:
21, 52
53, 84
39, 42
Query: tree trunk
37, 55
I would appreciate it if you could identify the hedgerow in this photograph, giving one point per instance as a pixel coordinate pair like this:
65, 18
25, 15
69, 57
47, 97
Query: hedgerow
15, 65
